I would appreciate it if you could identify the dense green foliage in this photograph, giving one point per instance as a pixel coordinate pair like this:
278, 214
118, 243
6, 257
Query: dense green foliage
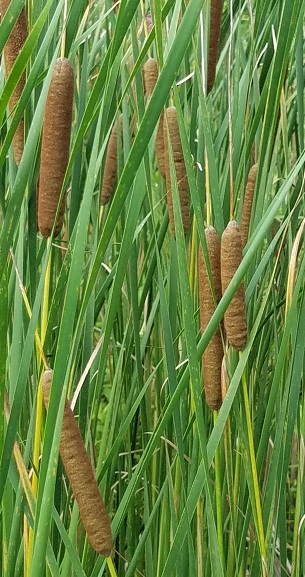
111, 305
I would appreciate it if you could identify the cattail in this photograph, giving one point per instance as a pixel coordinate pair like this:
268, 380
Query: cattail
55, 147
80, 474
171, 124
247, 204
111, 164
235, 315
150, 76
12, 48
212, 356
149, 22
215, 22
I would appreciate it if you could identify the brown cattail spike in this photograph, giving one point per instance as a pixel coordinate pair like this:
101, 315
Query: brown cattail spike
215, 22
12, 48
247, 204
150, 76
235, 315
111, 164
55, 147
212, 356
80, 474
171, 125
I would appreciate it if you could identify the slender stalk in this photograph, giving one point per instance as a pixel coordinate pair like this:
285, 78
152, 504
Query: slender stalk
259, 516
219, 508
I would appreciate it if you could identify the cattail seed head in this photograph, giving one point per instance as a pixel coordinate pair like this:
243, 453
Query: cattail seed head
11, 50
235, 316
150, 76
55, 147
111, 163
212, 356
171, 125
81, 476
247, 204
215, 22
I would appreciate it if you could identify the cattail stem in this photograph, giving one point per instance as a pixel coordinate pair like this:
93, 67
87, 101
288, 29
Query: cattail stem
235, 315
55, 148
219, 506
64, 30
80, 474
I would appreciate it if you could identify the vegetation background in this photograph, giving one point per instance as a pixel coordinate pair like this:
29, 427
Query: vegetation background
112, 304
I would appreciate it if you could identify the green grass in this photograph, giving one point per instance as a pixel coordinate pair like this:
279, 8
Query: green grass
113, 307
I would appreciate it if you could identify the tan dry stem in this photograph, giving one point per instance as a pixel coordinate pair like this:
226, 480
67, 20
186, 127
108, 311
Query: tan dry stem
171, 124
235, 316
247, 204
213, 354
215, 23
11, 50
81, 476
55, 147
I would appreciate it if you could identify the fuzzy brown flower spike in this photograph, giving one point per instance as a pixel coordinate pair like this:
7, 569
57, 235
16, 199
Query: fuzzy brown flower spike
55, 147
171, 124
235, 315
215, 22
80, 474
11, 50
212, 356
